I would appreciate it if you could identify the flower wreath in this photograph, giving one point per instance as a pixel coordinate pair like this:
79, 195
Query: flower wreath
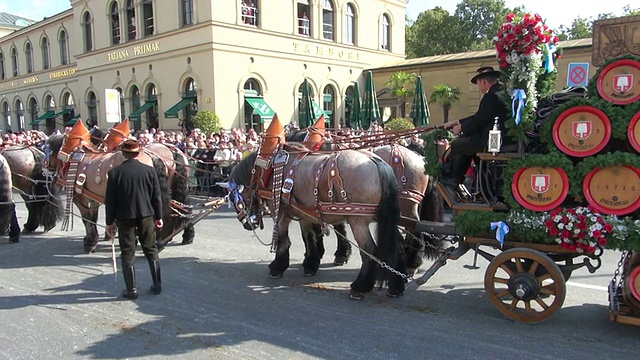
579, 229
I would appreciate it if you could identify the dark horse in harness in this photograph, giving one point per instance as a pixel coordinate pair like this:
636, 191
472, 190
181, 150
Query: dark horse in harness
326, 189
87, 185
418, 197
36, 188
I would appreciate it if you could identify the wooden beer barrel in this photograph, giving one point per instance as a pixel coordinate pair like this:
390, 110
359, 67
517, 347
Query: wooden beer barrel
619, 82
582, 131
540, 189
631, 289
633, 132
614, 190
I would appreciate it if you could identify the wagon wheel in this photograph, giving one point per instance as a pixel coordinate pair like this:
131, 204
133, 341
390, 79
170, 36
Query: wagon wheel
525, 285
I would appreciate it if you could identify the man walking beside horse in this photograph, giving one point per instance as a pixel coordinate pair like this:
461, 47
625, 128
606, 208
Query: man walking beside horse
133, 203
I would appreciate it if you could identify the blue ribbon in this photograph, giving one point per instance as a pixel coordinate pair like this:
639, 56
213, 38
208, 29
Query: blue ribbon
237, 197
517, 104
548, 60
502, 229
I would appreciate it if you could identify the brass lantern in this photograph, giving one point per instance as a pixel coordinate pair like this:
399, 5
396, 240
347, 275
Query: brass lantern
495, 138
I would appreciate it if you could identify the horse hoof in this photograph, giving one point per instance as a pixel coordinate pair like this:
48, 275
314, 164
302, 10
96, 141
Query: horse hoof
354, 295
27, 231
309, 273
187, 242
340, 260
394, 294
275, 275
14, 241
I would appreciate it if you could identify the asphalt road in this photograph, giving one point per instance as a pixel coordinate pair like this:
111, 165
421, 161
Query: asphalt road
218, 303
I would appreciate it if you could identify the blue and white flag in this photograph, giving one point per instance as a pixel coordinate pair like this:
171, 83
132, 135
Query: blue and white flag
502, 229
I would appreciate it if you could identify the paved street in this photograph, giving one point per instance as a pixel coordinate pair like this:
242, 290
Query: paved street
218, 303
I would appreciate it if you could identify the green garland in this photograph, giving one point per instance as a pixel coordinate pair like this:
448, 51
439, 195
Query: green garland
433, 166
554, 159
528, 226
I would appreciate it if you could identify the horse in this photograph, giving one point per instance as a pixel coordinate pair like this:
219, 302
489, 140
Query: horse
8, 217
87, 186
419, 200
36, 188
326, 189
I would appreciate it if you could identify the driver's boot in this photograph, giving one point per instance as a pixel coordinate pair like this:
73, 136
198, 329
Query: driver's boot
129, 273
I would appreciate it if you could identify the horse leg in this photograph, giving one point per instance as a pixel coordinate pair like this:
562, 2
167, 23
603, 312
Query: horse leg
365, 281
32, 221
14, 228
89, 219
281, 262
312, 255
319, 238
188, 234
343, 251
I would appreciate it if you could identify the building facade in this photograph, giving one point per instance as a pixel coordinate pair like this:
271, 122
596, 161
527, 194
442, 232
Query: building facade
168, 59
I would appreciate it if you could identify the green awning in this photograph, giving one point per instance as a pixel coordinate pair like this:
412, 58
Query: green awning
260, 107
139, 111
47, 115
63, 112
175, 109
73, 120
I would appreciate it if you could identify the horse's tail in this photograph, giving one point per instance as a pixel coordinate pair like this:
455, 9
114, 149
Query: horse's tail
7, 207
389, 245
163, 180
49, 210
180, 191
432, 209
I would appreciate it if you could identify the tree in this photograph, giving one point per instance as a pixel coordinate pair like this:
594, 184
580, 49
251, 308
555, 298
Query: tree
480, 21
400, 85
445, 95
207, 121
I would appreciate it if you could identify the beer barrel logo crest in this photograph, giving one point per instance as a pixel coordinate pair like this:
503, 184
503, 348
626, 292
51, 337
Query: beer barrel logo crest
613, 190
634, 131
540, 189
619, 82
582, 131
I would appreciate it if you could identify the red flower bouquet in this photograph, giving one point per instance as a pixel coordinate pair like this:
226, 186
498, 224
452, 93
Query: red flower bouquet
524, 36
578, 229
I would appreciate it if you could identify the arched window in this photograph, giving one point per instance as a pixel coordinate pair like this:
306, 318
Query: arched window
64, 48
304, 18
6, 114
254, 86
329, 105
115, 23
14, 61
147, 15
135, 98
88, 35
131, 20
327, 20
187, 12
122, 113
152, 111
28, 52
33, 111
44, 47
348, 105
385, 36
2, 73
350, 25
92, 105
190, 90
19, 115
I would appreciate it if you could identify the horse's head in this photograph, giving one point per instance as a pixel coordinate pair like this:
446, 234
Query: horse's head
243, 196
52, 148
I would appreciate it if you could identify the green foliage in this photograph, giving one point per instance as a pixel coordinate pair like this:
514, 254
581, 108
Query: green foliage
445, 95
207, 121
433, 166
401, 85
399, 124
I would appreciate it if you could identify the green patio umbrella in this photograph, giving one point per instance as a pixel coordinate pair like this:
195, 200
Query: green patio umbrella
370, 109
306, 116
420, 107
356, 108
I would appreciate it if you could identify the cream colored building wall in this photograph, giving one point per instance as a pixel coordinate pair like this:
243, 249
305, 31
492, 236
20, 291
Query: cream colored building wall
219, 52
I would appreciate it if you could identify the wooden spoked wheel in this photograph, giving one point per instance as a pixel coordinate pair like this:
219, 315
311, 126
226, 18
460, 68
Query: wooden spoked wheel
525, 285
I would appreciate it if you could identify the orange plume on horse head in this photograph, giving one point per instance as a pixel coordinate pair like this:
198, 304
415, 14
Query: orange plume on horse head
316, 134
116, 135
272, 138
78, 136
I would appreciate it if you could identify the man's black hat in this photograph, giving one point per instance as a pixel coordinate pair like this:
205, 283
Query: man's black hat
483, 72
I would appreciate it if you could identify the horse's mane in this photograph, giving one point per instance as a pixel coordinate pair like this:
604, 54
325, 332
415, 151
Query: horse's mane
298, 136
55, 142
97, 135
241, 173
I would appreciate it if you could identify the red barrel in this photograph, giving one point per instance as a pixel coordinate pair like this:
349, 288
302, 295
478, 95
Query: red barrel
633, 132
619, 82
539, 188
582, 131
614, 190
